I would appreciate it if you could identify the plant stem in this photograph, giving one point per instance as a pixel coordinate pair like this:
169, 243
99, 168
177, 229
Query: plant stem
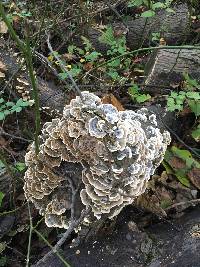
189, 47
35, 96
26, 50
56, 252
11, 30
30, 236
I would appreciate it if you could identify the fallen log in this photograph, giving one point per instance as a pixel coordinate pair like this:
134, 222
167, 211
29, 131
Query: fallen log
162, 244
166, 67
173, 27
16, 78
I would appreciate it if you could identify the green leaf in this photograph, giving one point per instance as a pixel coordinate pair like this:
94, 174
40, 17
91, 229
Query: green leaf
63, 75
165, 203
71, 49
174, 94
1, 100
1, 197
196, 133
20, 166
135, 3
170, 10
114, 63
2, 165
155, 36
193, 95
191, 83
184, 155
195, 107
113, 74
2, 116
75, 71
80, 51
25, 104
142, 98
184, 180
18, 109
107, 37
92, 56
3, 261
7, 112
158, 5
87, 43
167, 167
19, 102
9, 104
148, 14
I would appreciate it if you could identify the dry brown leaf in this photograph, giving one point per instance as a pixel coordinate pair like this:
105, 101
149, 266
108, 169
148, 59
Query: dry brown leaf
2, 69
2, 75
194, 176
88, 66
2, 66
3, 27
177, 163
150, 203
111, 99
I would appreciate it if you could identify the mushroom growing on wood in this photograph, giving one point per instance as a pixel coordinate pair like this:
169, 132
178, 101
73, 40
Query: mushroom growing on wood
116, 153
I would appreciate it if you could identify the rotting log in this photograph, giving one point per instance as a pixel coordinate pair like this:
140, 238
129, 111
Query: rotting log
164, 243
51, 96
166, 67
173, 27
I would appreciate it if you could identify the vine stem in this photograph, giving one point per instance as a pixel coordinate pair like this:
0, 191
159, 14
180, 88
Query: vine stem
30, 236
56, 252
61, 241
144, 49
26, 50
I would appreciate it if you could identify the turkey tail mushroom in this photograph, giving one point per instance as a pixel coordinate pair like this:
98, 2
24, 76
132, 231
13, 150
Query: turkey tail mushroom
117, 152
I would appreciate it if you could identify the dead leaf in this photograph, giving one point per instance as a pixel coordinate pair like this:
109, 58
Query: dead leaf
88, 66
2, 75
2, 69
177, 163
2, 66
194, 176
111, 99
150, 203
3, 27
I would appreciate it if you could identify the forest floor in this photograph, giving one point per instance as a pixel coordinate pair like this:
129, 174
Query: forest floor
132, 54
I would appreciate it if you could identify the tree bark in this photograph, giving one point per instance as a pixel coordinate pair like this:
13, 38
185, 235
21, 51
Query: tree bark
166, 67
173, 27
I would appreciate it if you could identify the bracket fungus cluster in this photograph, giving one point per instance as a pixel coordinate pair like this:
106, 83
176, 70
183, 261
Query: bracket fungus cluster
111, 153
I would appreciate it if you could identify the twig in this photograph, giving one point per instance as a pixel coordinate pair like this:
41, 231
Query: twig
30, 236
145, 49
107, 7
72, 226
75, 86
178, 138
114, 10
14, 136
47, 242
193, 202
4, 213
47, 63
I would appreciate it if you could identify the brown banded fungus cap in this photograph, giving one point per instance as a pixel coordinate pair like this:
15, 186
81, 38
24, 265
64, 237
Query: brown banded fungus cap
118, 151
